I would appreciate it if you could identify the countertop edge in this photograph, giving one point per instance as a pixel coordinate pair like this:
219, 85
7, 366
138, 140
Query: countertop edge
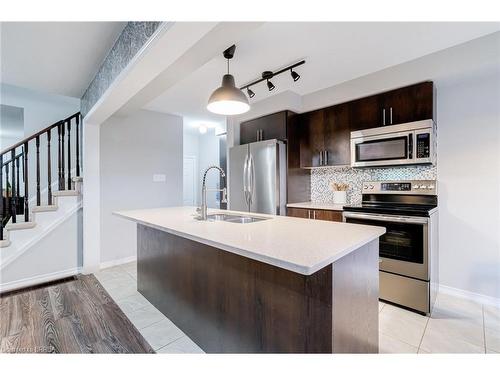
317, 206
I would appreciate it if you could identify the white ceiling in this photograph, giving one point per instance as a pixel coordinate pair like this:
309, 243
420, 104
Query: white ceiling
334, 53
55, 57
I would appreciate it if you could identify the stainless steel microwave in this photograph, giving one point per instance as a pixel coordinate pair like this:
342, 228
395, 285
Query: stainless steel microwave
404, 144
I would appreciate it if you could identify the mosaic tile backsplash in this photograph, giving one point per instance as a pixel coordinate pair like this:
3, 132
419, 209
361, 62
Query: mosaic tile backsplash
354, 177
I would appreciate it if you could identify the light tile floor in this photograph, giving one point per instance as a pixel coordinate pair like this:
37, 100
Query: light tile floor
455, 325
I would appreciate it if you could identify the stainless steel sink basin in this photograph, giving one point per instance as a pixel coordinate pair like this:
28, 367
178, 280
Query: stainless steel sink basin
235, 218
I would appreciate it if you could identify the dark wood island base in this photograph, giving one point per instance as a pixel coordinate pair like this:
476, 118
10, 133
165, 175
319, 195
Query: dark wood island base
227, 303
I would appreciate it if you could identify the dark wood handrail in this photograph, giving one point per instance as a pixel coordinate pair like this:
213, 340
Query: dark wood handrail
43, 131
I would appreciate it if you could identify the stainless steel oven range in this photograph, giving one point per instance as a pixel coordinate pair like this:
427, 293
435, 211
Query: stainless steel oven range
408, 251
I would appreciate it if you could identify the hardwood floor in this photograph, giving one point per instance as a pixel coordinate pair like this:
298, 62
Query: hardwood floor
74, 316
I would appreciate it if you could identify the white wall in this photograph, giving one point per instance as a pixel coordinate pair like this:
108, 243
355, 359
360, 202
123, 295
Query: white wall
205, 148
132, 149
468, 119
47, 260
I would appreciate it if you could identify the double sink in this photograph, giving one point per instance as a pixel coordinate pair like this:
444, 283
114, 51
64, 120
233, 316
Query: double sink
241, 219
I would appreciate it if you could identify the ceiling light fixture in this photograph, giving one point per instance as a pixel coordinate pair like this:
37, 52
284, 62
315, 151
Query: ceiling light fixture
202, 129
228, 99
267, 75
270, 85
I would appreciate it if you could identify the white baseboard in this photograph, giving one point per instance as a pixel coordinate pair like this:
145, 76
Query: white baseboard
471, 296
117, 262
35, 280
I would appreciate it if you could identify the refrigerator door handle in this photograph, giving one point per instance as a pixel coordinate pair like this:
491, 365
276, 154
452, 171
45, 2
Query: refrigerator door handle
245, 180
251, 178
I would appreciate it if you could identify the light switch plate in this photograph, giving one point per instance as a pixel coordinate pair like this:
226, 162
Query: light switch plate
159, 178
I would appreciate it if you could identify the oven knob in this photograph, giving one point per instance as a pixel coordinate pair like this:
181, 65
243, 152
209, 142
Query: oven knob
431, 187
423, 186
416, 186
365, 187
371, 187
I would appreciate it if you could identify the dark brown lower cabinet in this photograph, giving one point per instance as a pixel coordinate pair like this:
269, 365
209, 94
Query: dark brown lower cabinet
305, 213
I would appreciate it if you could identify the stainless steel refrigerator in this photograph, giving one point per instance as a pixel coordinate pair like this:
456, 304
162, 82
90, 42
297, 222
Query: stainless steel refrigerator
257, 177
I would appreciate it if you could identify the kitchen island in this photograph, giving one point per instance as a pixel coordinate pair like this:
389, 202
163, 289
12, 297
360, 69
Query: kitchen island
279, 285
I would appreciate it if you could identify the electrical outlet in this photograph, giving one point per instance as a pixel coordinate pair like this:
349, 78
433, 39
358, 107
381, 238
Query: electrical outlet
159, 178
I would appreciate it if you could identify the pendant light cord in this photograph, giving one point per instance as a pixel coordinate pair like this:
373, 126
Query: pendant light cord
227, 66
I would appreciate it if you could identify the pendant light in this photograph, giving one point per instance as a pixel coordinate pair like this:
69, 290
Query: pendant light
228, 99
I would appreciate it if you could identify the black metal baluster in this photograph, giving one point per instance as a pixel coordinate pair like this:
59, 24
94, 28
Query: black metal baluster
1, 198
26, 191
69, 154
77, 131
59, 155
63, 183
17, 178
38, 196
49, 177
13, 200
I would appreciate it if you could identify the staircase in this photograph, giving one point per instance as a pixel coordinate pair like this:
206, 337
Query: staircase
36, 202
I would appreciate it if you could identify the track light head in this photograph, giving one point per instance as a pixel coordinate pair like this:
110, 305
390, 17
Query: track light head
270, 85
250, 93
295, 75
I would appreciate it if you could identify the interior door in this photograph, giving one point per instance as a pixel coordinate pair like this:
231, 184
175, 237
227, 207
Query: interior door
264, 178
238, 155
189, 181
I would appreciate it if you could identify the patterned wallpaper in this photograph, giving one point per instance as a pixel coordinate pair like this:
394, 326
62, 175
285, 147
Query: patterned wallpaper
354, 177
130, 41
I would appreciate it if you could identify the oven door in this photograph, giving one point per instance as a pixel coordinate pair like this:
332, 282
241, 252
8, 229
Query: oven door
403, 249
384, 149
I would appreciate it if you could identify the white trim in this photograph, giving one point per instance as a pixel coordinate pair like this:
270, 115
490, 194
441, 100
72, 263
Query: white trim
34, 240
117, 262
471, 296
30, 281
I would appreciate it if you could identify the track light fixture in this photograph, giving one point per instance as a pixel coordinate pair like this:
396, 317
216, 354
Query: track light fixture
295, 75
267, 75
270, 85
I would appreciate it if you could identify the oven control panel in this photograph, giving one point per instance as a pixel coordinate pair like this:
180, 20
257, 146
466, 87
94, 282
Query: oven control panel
421, 187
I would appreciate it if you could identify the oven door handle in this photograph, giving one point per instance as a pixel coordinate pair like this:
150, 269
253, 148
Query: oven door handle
392, 219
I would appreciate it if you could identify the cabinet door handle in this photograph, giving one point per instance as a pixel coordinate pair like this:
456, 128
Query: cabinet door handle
325, 159
309, 213
257, 136
321, 158
261, 134
314, 215
383, 116
390, 115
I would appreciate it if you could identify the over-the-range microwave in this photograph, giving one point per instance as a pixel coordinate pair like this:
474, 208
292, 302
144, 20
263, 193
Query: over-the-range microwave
403, 144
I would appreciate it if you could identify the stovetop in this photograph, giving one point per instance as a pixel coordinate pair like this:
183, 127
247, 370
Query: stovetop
392, 209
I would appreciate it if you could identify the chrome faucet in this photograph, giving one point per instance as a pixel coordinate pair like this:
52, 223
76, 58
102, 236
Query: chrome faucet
203, 209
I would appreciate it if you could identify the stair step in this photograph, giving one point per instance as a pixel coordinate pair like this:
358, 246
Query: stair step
65, 193
22, 225
4, 243
44, 208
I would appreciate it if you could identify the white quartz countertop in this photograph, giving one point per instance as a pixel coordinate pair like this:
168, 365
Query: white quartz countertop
317, 206
299, 245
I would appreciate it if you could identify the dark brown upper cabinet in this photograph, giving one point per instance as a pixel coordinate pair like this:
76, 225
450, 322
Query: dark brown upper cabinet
266, 127
365, 113
406, 104
326, 137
